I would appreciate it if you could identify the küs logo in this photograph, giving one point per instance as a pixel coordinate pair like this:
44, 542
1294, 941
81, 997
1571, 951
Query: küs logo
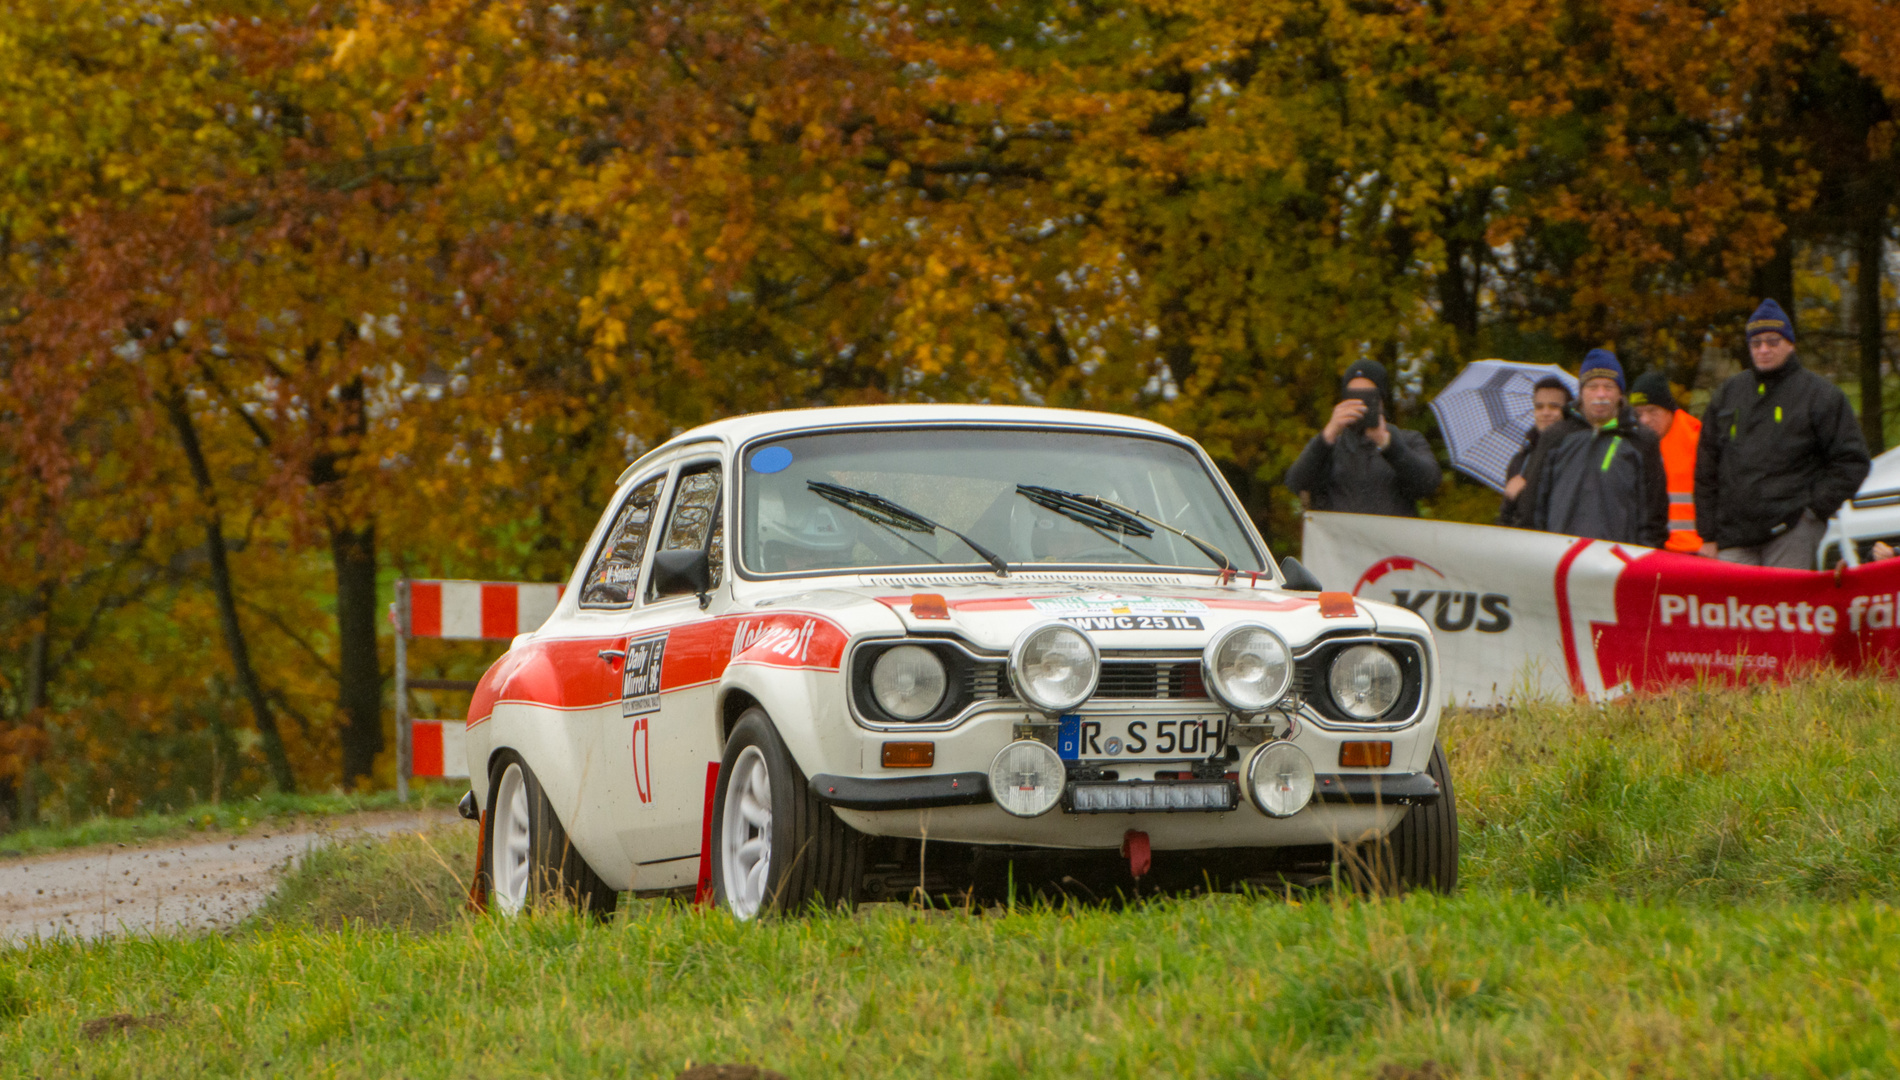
1449, 610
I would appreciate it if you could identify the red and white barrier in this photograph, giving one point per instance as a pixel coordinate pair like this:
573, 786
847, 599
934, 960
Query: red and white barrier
455, 611
478, 610
1527, 614
437, 748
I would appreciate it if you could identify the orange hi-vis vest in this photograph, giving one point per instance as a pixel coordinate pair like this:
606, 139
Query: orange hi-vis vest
1678, 454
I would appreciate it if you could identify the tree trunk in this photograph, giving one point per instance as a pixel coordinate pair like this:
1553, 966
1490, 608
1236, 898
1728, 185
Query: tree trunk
1870, 254
34, 699
353, 553
221, 588
1775, 279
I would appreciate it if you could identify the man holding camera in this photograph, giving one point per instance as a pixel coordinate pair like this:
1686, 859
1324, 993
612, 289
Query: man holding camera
1359, 464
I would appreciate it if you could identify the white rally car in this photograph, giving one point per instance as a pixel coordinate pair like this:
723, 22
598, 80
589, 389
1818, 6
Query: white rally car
829, 655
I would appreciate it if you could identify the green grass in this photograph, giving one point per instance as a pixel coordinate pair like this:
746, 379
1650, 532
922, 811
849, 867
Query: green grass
1694, 885
238, 816
1710, 795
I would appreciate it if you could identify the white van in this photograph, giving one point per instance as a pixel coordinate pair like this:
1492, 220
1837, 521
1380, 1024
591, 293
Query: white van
1872, 514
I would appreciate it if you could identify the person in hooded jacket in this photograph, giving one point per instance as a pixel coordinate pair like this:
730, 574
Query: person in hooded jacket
1552, 420
1607, 481
1359, 467
1780, 451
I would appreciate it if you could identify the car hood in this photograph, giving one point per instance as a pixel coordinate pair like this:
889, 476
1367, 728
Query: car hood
1118, 615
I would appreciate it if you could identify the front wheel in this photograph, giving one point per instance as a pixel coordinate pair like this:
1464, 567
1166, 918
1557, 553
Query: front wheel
1422, 851
531, 862
777, 848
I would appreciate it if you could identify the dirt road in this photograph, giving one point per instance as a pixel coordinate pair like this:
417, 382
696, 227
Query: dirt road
186, 884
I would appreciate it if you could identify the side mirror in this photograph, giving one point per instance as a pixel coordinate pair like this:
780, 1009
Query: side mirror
1298, 578
676, 572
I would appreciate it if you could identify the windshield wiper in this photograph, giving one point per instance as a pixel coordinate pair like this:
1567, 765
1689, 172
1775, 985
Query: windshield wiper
877, 508
1093, 510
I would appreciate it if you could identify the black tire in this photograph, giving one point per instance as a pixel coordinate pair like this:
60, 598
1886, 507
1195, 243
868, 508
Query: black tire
549, 872
812, 858
1422, 852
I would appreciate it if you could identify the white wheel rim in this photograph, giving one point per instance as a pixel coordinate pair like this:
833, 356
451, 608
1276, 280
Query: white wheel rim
745, 836
509, 859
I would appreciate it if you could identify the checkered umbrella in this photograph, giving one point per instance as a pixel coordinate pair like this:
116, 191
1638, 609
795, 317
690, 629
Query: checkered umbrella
1485, 413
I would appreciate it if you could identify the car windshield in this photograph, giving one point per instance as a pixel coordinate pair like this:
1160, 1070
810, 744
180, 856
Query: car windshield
805, 505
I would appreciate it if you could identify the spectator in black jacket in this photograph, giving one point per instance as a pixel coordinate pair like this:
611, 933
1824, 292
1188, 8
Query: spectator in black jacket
1606, 481
1378, 470
1551, 420
1780, 452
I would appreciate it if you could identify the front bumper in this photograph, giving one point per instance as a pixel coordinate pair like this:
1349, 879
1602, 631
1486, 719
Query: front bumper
973, 788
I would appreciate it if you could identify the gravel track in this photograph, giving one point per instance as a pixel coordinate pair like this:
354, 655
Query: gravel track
181, 885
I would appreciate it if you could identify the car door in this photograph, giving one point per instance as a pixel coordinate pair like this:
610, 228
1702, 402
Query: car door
674, 662
605, 806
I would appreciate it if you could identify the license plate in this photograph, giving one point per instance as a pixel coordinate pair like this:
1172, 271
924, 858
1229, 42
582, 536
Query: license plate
1137, 738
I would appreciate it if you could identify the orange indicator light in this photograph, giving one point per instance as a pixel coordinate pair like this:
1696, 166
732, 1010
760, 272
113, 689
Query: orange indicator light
929, 606
922, 755
1359, 755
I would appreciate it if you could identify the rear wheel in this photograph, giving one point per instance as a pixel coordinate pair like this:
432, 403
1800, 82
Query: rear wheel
1422, 851
777, 848
531, 862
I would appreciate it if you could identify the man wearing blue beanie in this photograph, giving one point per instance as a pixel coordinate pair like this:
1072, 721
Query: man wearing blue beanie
1605, 481
1780, 451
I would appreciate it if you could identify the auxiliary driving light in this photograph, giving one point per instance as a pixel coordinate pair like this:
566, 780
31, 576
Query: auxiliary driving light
1158, 797
1054, 667
1248, 667
1026, 778
1280, 779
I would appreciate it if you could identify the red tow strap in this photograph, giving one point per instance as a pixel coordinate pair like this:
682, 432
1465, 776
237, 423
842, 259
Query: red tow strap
1135, 847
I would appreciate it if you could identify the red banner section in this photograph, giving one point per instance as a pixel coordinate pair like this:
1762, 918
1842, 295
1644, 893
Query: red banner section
1680, 617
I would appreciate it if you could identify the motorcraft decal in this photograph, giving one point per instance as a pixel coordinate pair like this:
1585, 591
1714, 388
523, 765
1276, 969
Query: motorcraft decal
775, 642
640, 684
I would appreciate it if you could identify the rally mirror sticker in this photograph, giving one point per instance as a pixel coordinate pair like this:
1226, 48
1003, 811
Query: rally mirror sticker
640, 686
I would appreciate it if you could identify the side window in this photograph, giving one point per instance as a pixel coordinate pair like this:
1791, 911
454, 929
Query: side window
695, 510
615, 575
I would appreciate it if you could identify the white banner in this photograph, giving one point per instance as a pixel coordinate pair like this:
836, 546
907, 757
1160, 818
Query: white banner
1520, 614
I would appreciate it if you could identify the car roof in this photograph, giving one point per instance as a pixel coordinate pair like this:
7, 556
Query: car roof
735, 430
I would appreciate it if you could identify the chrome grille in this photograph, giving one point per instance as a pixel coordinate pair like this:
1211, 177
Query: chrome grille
1121, 680
986, 682
1150, 681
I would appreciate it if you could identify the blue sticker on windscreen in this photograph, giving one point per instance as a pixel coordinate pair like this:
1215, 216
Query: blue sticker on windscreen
771, 459
1069, 738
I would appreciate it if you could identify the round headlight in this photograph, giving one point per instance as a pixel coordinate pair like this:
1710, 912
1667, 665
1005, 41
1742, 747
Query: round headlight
1280, 779
1248, 667
1026, 778
1365, 681
1054, 667
908, 682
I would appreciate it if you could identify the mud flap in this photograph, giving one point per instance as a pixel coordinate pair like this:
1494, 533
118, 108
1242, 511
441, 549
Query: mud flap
478, 887
703, 893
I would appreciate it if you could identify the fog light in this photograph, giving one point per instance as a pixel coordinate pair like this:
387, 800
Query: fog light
1026, 778
1280, 779
1363, 755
